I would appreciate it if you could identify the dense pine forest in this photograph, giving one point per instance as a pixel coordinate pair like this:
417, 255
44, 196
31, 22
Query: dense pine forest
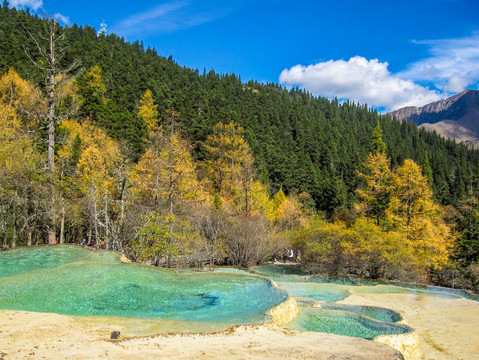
108, 142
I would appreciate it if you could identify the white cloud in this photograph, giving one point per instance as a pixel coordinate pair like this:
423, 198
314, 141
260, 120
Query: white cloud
452, 66
170, 17
32, 4
456, 83
150, 18
35, 5
62, 18
360, 80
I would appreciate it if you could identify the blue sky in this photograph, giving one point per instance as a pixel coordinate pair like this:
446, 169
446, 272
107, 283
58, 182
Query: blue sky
387, 54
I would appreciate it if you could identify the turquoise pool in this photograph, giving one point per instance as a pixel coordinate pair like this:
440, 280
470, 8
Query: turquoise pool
74, 281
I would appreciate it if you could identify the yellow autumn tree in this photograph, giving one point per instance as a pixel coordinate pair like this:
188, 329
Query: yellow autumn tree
148, 111
278, 199
290, 215
376, 194
94, 80
261, 203
326, 244
288, 211
20, 104
230, 167
22, 197
166, 173
413, 213
98, 155
163, 236
376, 253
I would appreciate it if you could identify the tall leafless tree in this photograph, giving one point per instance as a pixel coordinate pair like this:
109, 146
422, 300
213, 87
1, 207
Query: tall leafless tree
51, 50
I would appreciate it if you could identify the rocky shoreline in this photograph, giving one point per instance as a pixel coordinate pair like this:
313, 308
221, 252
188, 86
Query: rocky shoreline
36, 336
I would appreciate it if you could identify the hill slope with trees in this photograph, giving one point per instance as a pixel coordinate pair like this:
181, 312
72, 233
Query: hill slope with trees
164, 162
300, 142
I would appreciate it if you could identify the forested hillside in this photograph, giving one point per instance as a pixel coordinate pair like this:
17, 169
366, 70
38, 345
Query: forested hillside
110, 142
300, 142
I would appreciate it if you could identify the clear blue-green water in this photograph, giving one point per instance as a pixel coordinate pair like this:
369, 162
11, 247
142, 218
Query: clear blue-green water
352, 320
74, 281
316, 291
372, 312
295, 274
343, 322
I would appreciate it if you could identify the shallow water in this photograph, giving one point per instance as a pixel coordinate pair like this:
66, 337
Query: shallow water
74, 281
351, 320
316, 291
307, 283
23, 260
343, 322
373, 312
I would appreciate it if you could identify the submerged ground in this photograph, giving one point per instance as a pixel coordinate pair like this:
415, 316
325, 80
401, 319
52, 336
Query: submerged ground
445, 322
71, 280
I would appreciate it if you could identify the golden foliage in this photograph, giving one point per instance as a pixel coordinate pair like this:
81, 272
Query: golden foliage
20, 104
99, 153
261, 203
375, 196
413, 213
167, 170
94, 79
148, 111
400, 233
231, 167
17, 154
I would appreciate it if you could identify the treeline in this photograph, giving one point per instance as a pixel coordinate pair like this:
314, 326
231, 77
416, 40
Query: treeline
164, 206
166, 163
300, 142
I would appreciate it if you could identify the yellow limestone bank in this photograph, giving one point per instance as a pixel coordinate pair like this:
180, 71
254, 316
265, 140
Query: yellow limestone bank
446, 328
407, 344
28, 335
285, 312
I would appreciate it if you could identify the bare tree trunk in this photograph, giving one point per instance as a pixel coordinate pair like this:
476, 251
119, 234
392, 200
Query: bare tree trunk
14, 237
246, 193
14, 221
157, 181
170, 160
52, 229
106, 221
119, 229
4, 239
29, 236
48, 63
62, 226
89, 233
95, 222
122, 203
51, 134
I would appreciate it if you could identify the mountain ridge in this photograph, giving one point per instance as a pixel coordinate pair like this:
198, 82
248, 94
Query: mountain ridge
456, 117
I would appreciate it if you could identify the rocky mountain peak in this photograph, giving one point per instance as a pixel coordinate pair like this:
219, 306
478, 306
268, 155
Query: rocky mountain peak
455, 117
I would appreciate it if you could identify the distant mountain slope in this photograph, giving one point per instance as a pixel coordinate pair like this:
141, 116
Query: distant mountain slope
456, 117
